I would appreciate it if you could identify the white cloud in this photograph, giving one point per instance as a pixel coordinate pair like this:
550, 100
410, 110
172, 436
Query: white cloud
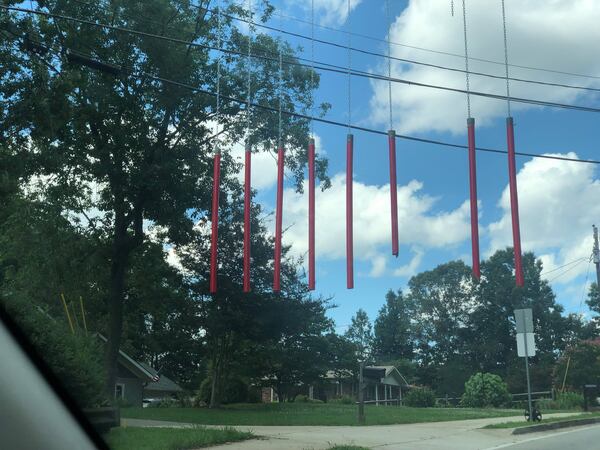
558, 35
264, 164
419, 227
329, 12
558, 203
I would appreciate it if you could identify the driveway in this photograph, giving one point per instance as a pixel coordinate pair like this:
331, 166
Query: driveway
455, 435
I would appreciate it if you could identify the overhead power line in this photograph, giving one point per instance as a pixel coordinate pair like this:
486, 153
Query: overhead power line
98, 64
410, 61
425, 49
564, 265
321, 66
566, 271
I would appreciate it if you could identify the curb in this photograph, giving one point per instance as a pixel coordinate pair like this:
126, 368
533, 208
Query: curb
556, 425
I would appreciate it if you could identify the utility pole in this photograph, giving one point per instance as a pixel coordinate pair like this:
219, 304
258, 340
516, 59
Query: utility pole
361, 395
596, 255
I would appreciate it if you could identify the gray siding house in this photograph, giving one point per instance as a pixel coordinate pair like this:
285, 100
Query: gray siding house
137, 381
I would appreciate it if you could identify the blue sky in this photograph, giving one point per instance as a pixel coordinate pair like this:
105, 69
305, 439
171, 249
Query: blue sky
558, 199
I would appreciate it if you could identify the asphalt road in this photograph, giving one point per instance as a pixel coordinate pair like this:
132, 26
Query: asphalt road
457, 435
579, 438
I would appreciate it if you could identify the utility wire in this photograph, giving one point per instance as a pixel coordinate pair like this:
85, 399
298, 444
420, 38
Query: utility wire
280, 87
312, 68
322, 66
566, 271
349, 67
389, 61
464, 11
506, 58
429, 50
421, 63
142, 75
371, 53
217, 116
564, 265
249, 74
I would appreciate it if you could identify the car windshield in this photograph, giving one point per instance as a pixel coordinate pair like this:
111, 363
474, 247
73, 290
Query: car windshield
297, 221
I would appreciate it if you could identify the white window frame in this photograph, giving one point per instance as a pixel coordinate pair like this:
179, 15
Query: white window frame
122, 391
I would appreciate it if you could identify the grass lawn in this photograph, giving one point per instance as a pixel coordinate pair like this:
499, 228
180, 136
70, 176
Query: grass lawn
171, 438
523, 423
310, 414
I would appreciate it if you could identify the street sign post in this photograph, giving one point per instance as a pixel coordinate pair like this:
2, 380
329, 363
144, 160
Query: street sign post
525, 345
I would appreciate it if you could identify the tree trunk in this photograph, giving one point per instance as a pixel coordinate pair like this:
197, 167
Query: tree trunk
215, 391
120, 255
280, 393
217, 374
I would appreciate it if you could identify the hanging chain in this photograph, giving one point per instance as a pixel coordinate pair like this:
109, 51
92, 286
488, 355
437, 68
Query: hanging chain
349, 66
389, 19
452, 7
464, 10
312, 68
248, 70
217, 116
280, 75
506, 58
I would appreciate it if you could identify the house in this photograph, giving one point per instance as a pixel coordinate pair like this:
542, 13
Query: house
136, 381
387, 390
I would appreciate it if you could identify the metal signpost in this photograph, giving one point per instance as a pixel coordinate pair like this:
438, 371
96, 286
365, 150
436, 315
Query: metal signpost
526, 345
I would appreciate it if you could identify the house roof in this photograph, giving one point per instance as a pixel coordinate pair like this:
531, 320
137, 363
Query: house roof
391, 372
163, 384
153, 380
132, 365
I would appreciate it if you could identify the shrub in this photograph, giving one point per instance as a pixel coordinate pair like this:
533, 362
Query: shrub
301, 398
75, 359
484, 390
233, 390
344, 400
564, 400
420, 397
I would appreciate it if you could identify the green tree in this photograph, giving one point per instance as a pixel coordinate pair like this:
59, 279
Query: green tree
360, 333
144, 145
443, 299
579, 365
494, 340
393, 329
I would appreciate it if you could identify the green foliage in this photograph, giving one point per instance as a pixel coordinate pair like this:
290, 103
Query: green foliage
483, 390
421, 397
344, 400
233, 390
301, 398
393, 329
360, 333
583, 362
564, 400
75, 359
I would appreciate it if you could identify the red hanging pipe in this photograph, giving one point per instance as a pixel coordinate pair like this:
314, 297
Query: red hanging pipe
514, 201
278, 220
473, 197
215, 223
247, 229
393, 191
311, 214
349, 230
